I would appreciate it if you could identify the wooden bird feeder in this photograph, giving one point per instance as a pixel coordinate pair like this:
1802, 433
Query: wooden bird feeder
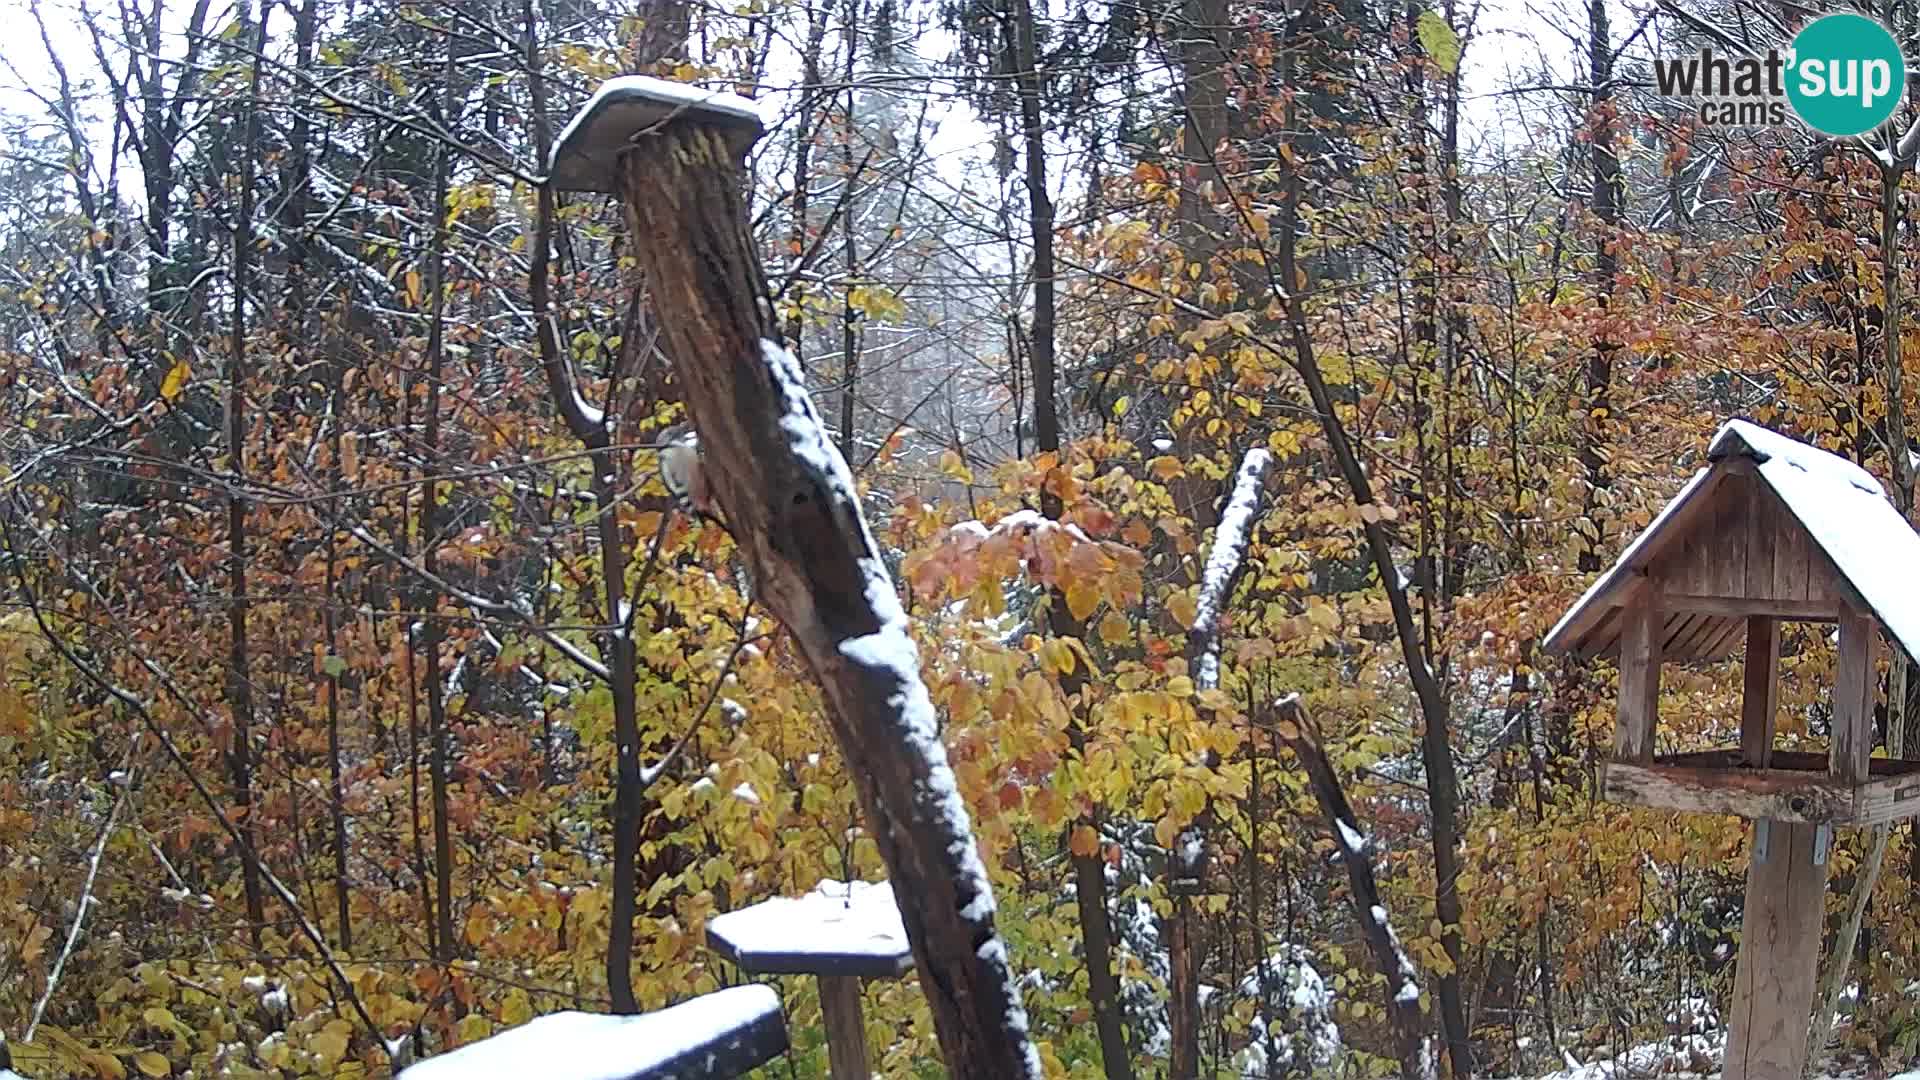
623, 111
839, 932
1772, 531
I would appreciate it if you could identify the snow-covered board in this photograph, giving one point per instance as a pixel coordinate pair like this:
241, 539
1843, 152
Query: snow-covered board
717, 1035
836, 929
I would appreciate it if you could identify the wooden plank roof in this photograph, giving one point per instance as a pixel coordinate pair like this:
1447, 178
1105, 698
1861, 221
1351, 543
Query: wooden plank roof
1810, 502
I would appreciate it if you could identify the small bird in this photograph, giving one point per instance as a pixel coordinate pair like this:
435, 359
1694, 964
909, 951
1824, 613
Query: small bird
683, 471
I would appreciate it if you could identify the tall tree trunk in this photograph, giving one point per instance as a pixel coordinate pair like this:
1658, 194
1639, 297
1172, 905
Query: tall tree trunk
849, 314
336, 791
239, 671
1436, 751
790, 503
438, 736
1595, 451
1089, 871
804, 133
616, 646
1833, 980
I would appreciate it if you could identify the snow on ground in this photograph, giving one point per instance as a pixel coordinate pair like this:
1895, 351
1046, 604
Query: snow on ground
1688, 1057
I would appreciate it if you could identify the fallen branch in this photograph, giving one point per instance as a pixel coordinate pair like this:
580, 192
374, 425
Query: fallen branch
1294, 726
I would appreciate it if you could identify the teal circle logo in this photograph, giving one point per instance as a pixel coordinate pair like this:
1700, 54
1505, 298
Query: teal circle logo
1847, 75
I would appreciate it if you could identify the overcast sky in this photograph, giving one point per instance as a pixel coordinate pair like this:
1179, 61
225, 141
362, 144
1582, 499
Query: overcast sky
1512, 43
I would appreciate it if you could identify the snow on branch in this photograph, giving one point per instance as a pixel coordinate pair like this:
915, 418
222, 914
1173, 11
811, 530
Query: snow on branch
1295, 727
1223, 566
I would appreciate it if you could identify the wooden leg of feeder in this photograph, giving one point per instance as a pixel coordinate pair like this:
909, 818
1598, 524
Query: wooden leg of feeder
1780, 933
1640, 659
846, 1027
1760, 697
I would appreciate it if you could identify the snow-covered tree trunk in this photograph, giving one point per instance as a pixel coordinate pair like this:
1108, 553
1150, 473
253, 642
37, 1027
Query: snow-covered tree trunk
790, 503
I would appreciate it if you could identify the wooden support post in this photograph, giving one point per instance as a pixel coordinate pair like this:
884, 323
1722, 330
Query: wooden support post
1853, 690
1779, 956
1640, 658
846, 1027
1759, 700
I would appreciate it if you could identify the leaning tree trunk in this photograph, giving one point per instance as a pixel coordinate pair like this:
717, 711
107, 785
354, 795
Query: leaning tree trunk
791, 506
1436, 748
1400, 982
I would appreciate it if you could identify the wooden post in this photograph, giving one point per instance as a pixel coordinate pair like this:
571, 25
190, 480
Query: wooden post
846, 1027
1781, 927
1183, 999
1780, 935
1640, 658
1853, 690
1759, 699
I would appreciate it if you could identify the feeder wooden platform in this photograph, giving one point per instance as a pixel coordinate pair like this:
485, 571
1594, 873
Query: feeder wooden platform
1795, 786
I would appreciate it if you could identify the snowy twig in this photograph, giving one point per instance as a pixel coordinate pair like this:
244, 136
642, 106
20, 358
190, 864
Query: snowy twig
80, 911
1296, 728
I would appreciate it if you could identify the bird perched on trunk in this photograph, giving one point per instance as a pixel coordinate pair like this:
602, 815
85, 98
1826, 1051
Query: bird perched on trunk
683, 471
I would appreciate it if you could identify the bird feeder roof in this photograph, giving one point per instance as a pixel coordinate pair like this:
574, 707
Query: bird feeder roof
1857, 548
586, 156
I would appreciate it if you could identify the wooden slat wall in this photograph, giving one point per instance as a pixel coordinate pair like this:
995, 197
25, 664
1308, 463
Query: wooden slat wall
1790, 579
1732, 515
1764, 526
1745, 544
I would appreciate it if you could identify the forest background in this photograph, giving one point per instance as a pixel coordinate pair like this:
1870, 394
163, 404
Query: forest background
318, 602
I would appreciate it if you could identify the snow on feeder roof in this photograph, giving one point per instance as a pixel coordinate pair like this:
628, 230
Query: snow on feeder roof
722, 1034
586, 156
1816, 531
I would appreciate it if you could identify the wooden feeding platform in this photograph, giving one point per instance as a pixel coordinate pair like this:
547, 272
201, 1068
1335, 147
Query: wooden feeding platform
714, 1036
1772, 531
840, 933
1794, 786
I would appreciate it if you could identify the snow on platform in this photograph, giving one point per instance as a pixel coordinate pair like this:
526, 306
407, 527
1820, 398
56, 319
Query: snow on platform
1691, 1057
722, 1034
585, 156
837, 929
